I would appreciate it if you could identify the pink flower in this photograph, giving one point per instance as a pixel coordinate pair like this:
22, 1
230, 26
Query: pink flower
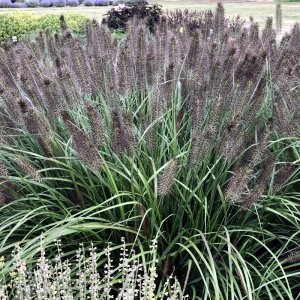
120, 7
231, 40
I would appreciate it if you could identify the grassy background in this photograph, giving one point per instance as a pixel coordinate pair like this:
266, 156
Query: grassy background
259, 10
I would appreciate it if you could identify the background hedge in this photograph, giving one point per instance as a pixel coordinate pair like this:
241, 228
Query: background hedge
21, 23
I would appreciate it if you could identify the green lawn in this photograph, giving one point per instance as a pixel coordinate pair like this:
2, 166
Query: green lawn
259, 10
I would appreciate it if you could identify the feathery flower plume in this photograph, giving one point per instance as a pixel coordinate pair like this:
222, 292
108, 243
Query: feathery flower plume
68, 87
93, 51
141, 58
233, 142
53, 96
150, 65
149, 134
293, 128
280, 115
130, 131
254, 32
294, 256
3, 170
10, 100
179, 118
295, 37
8, 70
194, 49
37, 127
242, 101
96, 124
122, 67
161, 44
31, 91
166, 266
282, 176
157, 103
244, 39
168, 86
27, 168
174, 60
119, 136
8, 187
105, 39
197, 112
238, 182
62, 22
267, 31
174, 57
81, 68
166, 180
261, 147
84, 147
51, 45
256, 193
255, 104
219, 20
116, 133
194, 157
215, 118
7, 125
5, 198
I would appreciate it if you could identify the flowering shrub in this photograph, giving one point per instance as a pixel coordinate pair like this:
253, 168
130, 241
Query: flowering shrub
130, 277
119, 7
19, 5
72, 2
88, 2
16, 24
115, 2
59, 3
32, 3
5, 3
118, 17
45, 3
101, 2
136, 2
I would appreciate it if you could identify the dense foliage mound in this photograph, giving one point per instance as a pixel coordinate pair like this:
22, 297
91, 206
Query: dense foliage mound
188, 137
22, 24
119, 16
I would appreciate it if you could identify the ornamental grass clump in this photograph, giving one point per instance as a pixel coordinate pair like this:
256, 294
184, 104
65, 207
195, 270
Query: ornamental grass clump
187, 134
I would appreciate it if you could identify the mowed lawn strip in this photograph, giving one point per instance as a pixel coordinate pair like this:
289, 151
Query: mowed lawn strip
258, 10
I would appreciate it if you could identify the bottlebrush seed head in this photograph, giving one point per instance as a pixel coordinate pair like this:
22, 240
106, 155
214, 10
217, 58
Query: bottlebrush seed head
27, 168
166, 180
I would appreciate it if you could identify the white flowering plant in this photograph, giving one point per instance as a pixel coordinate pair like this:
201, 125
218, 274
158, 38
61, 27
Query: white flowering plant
130, 278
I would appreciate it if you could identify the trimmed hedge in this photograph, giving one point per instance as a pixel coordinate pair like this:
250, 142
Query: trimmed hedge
22, 23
